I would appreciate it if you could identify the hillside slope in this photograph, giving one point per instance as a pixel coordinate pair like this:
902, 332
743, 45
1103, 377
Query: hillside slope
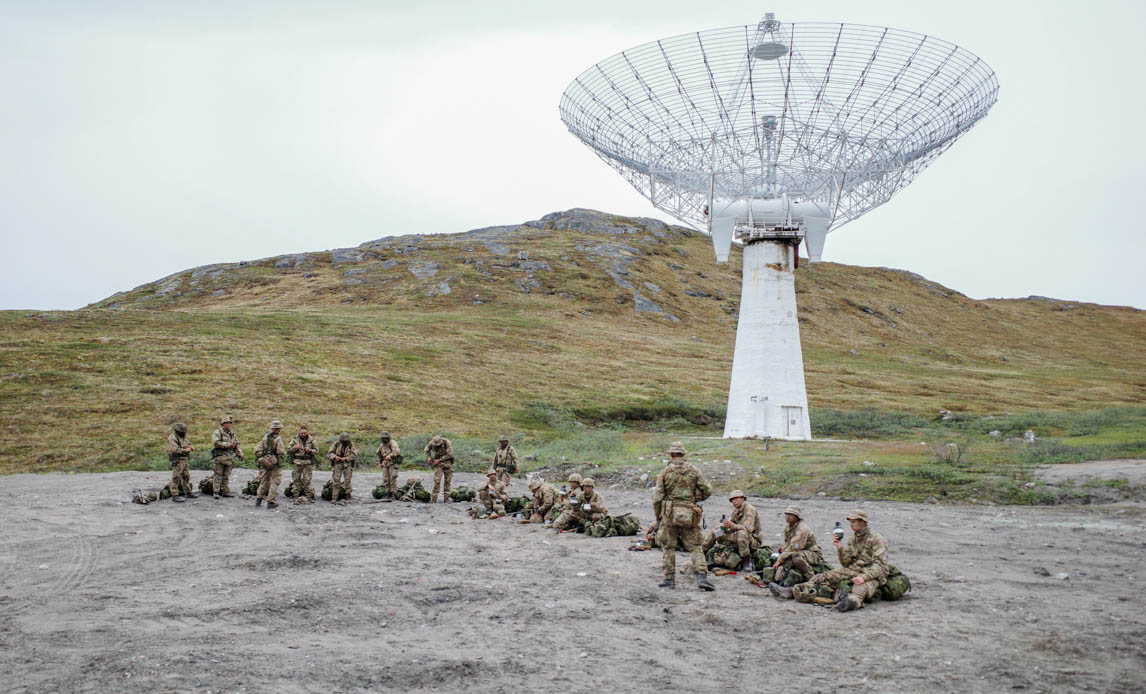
497, 329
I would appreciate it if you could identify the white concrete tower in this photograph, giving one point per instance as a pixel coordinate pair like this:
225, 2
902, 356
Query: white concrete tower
766, 396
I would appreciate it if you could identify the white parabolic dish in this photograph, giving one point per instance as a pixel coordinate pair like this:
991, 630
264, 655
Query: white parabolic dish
776, 134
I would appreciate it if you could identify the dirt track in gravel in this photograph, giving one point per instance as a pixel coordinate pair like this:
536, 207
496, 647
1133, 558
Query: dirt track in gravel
103, 595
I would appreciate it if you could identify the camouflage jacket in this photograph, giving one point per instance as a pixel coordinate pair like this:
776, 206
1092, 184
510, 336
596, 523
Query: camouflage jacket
798, 537
498, 490
444, 452
864, 554
566, 499
506, 458
276, 447
680, 482
342, 450
746, 518
308, 449
175, 445
596, 504
221, 443
389, 448
544, 499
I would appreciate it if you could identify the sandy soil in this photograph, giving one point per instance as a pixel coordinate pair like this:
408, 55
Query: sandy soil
1133, 471
103, 595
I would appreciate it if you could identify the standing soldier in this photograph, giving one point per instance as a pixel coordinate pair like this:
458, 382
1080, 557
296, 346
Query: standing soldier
742, 530
389, 457
303, 450
268, 453
679, 487
179, 453
800, 551
505, 460
582, 509
544, 507
440, 454
343, 455
224, 449
493, 495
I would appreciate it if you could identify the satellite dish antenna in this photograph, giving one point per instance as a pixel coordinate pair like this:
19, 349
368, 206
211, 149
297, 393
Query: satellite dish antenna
771, 136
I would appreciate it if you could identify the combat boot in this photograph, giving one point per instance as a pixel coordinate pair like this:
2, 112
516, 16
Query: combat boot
667, 583
847, 604
178, 499
781, 591
227, 495
272, 505
703, 583
193, 495
259, 501
216, 495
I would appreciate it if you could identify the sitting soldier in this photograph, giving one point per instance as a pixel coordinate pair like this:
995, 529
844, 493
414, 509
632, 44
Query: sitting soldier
863, 561
544, 507
585, 508
493, 495
799, 554
740, 533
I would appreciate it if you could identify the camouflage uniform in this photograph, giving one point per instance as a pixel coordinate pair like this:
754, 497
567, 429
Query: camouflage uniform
565, 502
679, 487
224, 447
505, 461
864, 554
544, 502
744, 532
440, 449
302, 465
494, 500
389, 457
341, 471
179, 453
575, 516
269, 452
800, 551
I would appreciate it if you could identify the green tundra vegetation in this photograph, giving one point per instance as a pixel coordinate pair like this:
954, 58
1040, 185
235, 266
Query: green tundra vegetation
585, 336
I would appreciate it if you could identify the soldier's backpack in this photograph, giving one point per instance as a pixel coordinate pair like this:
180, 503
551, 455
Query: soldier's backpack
478, 512
251, 488
463, 493
207, 485
413, 491
328, 491
896, 587
601, 528
289, 491
381, 492
627, 525
515, 504
723, 555
165, 493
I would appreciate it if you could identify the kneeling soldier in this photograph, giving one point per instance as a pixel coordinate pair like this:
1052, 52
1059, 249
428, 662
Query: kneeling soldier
303, 453
799, 552
493, 495
585, 508
390, 458
268, 453
342, 456
741, 531
224, 449
544, 507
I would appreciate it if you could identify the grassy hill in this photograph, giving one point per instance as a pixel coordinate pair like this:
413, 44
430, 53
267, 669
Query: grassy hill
578, 321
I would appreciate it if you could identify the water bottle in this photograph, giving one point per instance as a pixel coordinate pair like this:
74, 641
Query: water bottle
838, 532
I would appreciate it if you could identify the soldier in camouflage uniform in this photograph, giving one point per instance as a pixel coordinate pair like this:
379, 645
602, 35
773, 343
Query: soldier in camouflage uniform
179, 453
269, 453
566, 497
741, 531
440, 454
493, 495
863, 561
343, 456
303, 451
224, 449
679, 487
582, 509
800, 551
389, 457
544, 506
505, 460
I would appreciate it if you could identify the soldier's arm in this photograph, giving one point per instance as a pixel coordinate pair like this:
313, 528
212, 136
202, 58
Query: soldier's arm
872, 564
547, 501
215, 439
846, 553
449, 450
352, 456
659, 495
330, 453
597, 505
173, 445
703, 488
394, 449
280, 449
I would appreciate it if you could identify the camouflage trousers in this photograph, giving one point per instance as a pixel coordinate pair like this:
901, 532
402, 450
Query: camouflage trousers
549, 515
180, 478
502, 475
269, 483
222, 481
572, 520
741, 540
443, 477
865, 591
390, 478
340, 475
692, 541
493, 504
300, 475
800, 561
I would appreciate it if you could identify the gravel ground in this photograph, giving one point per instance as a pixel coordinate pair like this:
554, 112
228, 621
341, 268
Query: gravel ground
100, 594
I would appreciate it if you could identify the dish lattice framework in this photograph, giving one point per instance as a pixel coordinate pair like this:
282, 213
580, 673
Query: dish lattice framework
848, 116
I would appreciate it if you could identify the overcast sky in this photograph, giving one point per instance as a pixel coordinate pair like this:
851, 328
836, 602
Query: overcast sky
139, 138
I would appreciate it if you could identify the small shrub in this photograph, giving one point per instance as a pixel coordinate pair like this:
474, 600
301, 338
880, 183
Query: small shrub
863, 424
950, 452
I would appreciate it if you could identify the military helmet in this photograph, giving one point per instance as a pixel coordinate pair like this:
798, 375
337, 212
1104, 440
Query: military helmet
737, 493
857, 515
575, 478
437, 440
503, 439
676, 447
491, 471
587, 482
180, 427
344, 437
535, 484
227, 419
384, 435
795, 511
276, 424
